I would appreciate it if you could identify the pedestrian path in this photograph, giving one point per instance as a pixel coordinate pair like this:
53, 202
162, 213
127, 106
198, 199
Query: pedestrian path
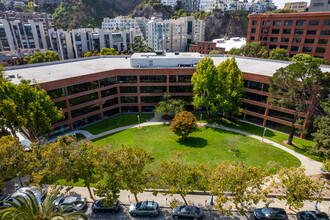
312, 167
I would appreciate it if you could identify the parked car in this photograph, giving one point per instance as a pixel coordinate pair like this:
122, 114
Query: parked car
70, 203
270, 213
144, 208
98, 206
312, 215
40, 196
187, 211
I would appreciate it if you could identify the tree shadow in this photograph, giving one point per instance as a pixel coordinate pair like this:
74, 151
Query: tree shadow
196, 142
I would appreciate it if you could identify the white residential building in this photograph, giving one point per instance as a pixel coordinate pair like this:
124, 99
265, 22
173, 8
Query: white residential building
191, 5
171, 3
174, 35
124, 23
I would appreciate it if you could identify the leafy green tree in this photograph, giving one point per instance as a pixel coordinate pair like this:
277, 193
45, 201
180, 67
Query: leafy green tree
293, 86
29, 208
301, 57
181, 178
254, 49
169, 105
232, 87
139, 46
40, 57
322, 134
214, 52
183, 124
245, 183
107, 51
326, 165
234, 51
278, 54
206, 86
88, 54
12, 159
297, 186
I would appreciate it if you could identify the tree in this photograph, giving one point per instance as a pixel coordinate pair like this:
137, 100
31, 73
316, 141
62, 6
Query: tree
183, 124
293, 86
231, 87
169, 105
133, 164
326, 165
40, 57
254, 49
278, 54
322, 134
179, 177
17, 61
234, 51
301, 57
12, 159
139, 46
214, 52
29, 208
297, 186
107, 51
245, 183
90, 53
206, 86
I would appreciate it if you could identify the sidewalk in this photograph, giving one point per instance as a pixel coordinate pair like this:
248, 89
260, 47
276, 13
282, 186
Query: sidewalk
198, 200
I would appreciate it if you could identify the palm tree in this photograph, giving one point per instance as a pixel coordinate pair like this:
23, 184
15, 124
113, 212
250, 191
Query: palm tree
30, 209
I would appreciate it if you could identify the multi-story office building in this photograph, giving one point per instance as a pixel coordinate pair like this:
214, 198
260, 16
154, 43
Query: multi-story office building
319, 5
95, 88
297, 6
126, 24
16, 35
25, 17
73, 43
297, 32
174, 35
171, 3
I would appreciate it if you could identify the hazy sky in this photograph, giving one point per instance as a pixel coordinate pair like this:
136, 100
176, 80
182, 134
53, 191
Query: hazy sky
280, 3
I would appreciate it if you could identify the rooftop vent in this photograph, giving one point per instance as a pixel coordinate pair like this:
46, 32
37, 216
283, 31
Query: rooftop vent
176, 53
160, 52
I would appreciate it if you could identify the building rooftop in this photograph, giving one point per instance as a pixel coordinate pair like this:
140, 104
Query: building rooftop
47, 72
232, 42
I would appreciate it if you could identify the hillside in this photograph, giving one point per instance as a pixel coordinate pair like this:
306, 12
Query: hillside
72, 14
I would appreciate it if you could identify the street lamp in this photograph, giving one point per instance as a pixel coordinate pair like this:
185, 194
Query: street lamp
138, 116
200, 120
263, 135
317, 201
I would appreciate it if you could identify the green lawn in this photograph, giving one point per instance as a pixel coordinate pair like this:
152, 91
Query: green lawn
206, 145
116, 122
301, 145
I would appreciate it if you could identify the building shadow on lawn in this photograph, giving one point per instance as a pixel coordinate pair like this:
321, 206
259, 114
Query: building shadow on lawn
196, 142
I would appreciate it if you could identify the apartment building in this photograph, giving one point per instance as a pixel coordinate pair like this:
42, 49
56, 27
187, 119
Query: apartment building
93, 89
73, 43
171, 3
125, 23
16, 35
297, 32
174, 34
319, 5
191, 5
297, 6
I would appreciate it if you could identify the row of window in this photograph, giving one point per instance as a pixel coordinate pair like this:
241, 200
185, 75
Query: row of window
61, 92
290, 23
297, 48
288, 31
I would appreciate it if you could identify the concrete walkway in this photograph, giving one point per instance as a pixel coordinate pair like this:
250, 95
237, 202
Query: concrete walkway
312, 167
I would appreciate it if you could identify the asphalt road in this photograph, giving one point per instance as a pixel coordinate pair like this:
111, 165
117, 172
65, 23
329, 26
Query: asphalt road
165, 213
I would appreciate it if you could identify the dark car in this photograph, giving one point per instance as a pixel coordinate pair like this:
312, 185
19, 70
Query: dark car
144, 208
312, 215
99, 206
270, 213
187, 211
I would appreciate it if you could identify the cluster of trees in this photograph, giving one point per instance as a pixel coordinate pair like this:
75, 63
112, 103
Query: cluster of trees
218, 89
169, 106
256, 49
127, 168
40, 57
104, 51
26, 106
139, 46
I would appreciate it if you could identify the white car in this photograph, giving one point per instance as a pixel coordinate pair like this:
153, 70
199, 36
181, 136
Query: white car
40, 196
70, 203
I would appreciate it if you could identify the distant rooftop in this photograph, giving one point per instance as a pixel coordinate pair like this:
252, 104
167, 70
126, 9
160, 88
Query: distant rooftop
232, 42
48, 72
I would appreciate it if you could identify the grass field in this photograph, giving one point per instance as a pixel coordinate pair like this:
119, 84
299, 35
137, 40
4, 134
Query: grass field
116, 122
301, 145
206, 145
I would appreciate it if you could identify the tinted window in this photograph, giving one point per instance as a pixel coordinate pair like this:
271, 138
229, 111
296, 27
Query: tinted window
288, 23
56, 93
307, 49
284, 40
326, 23
127, 79
296, 40
153, 89
82, 87
313, 23
320, 50
275, 31
309, 41
300, 23
323, 41
325, 32
128, 89
254, 22
286, 31
253, 30
108, 81
299, 31
311, 32
276, 23
153, 79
